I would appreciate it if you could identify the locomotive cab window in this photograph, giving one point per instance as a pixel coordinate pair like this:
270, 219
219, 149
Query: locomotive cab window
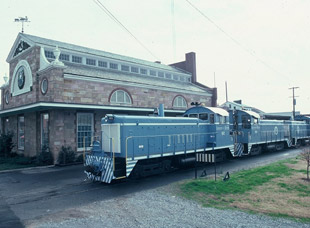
211, 118
246, 122
222, 119
255, 121
193, 115
203, 116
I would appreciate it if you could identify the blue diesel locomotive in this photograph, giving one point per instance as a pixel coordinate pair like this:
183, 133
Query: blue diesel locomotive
137, 146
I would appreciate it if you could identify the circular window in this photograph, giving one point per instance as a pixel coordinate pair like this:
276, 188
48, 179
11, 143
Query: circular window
44, 86
7, 96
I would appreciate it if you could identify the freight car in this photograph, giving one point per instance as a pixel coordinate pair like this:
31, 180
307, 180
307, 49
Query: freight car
135, 146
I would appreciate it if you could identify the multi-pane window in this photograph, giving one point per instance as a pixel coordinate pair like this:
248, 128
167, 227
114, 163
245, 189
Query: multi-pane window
175, 77
44, 130
179, 102
76, 59
161, 74
91, 62
120, 96
182, 79
152, 72
49, 55
125, 68
64, 57
113, 66
134, 69
85, 129
102, 64
21, 132
168, 76
143, 71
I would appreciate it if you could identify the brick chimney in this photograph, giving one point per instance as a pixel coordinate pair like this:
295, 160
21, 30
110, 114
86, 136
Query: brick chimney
188, 65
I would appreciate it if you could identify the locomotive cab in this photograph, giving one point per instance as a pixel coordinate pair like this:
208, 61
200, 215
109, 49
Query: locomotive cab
208, 114
217, 125
245, 131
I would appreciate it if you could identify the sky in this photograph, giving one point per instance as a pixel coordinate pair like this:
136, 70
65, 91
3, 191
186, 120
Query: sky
261, 48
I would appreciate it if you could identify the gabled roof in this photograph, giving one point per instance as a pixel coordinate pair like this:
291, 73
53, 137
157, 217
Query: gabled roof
48, 43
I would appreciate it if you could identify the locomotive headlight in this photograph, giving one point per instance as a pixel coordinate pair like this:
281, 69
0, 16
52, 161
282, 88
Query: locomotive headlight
109, 118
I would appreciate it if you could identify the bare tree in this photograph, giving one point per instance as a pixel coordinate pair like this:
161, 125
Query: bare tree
305, 155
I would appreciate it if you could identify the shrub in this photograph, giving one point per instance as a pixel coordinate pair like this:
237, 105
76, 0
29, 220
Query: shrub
66, 155
21, 160
80, 158
6, 144
45, 157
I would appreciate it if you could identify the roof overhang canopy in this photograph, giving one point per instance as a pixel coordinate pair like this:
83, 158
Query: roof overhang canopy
41, 106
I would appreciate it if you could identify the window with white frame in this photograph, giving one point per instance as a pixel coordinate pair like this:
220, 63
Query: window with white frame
44, 130
49, 55
143, 71
64, 57
114, 66
91, 62
125, 68
76, 59
85, 129
168, 76
21, 132
134, 69
152, 72
161, 74
179, 102
102, 64
175, 77
120, 96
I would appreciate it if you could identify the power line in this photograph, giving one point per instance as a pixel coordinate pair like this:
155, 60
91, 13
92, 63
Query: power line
249, 51
104, 9
173, 29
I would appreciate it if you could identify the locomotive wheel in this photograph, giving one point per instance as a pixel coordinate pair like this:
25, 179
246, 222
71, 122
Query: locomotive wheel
167, 165
256, 150
279, 146
298, 144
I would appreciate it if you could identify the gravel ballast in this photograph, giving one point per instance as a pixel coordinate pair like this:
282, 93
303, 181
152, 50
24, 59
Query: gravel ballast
154, 208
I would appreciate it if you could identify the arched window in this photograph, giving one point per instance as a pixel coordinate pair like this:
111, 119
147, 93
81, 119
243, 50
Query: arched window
179, 102
120, 97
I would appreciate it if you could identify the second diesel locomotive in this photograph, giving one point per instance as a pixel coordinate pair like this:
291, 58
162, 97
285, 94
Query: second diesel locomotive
145, 145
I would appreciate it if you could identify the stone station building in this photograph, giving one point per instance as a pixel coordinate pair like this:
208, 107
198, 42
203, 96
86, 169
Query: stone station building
57, 93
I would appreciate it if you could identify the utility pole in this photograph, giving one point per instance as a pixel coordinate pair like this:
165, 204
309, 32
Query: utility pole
294, 100
226, 91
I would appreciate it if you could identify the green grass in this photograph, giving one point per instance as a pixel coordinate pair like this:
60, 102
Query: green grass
239, 183
243, 184
303, 190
